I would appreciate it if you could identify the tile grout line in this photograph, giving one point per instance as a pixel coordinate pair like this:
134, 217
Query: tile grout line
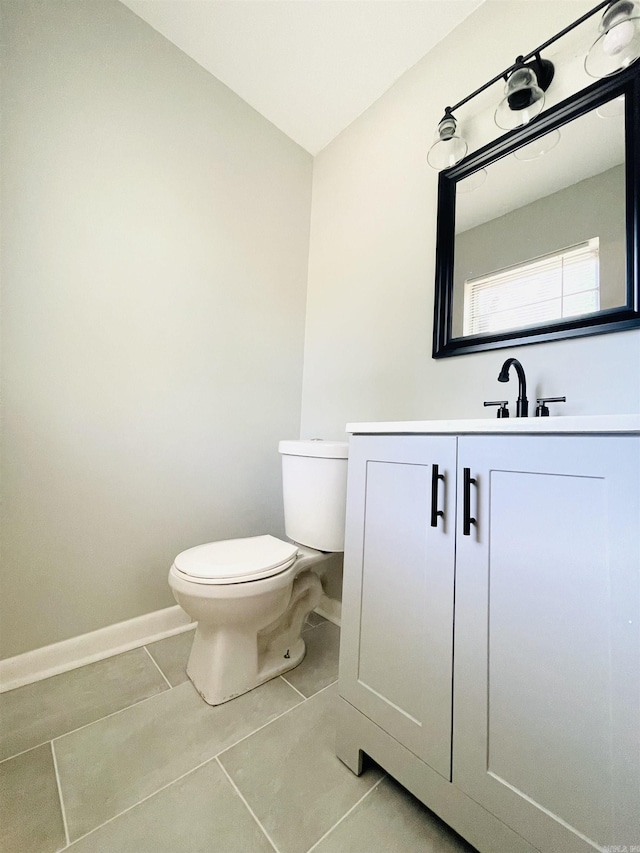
24, 751
59, 784
112, 714
283, 714
143, 800
263, 726
250, 810
183, 775
292, 687
157, 666
51, 741
70, 843
309, 627
347, 813
83, 726
146, 699
322, 689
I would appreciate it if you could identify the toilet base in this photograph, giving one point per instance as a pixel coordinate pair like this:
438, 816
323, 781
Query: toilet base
273, 667
229, 660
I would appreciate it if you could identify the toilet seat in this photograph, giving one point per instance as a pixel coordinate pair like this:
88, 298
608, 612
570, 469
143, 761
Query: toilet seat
233, 561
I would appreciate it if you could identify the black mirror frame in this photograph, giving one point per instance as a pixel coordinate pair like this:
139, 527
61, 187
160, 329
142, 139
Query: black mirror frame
612, 320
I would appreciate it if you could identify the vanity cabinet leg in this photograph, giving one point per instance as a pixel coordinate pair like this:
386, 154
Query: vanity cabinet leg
351, 756
348, 751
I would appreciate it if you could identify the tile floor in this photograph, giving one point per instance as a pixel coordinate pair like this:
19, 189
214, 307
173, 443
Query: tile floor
123, 756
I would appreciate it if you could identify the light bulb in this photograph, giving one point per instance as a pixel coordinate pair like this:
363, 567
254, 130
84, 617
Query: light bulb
618, 38
523, 100
449, 148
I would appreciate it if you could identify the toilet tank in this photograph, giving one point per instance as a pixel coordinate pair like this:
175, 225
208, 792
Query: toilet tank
314, 487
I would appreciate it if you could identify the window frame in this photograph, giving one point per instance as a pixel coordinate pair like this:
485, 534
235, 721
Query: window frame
586, 250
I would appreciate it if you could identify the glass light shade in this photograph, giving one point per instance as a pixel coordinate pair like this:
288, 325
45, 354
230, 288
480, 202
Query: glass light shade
618, 45
612, 108
538, 147
473, 182
523, 100
449, 148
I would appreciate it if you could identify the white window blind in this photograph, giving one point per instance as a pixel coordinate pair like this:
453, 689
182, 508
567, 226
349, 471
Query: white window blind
553, 287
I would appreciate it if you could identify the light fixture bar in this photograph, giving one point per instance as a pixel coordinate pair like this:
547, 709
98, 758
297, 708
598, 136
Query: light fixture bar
534, 53
530, 76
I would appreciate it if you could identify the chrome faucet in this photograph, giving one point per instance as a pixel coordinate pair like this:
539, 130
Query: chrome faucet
522, 404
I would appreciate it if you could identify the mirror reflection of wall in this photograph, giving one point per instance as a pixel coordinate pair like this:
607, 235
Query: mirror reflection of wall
571, 198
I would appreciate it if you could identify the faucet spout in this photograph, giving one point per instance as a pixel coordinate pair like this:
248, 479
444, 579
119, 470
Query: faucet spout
522, 404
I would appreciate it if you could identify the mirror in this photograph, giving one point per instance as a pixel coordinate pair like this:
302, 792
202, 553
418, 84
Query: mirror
539, 232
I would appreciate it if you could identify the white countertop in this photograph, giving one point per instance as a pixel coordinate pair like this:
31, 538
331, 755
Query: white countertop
570, 424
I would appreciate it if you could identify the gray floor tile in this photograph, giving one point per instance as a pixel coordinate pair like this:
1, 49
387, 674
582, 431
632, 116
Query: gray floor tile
113, 764
314, 619
200, 813
290, 776
390, 818
46, 709
30, 816
320, 665
171, 655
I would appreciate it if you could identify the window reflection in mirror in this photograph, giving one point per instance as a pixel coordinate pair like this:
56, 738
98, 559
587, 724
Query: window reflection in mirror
540, 236
554, 287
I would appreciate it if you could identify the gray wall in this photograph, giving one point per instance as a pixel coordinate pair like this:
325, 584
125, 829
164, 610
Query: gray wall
594, 207
155, 246
372, 252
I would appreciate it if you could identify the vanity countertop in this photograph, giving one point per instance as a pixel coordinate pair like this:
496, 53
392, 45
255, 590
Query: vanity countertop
569, 424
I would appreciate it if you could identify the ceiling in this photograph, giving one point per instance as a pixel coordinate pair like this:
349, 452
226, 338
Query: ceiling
309, 66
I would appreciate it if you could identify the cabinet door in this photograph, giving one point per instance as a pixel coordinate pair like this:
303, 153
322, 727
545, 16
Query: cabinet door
397, 605
547, 640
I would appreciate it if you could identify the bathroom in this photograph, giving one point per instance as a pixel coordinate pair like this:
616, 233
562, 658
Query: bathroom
184, 286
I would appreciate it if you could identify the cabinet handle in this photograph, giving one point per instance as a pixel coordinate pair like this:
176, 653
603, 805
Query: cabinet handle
467, 519
435, 512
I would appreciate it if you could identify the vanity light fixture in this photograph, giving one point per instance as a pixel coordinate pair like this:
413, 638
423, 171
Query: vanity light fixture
617, 47
618, 44
524, 93
449, 148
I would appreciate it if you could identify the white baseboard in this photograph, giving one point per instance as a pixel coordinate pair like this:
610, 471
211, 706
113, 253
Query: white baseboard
88, 648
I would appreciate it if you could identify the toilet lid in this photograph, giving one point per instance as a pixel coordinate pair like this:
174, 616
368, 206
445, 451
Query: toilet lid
236, 560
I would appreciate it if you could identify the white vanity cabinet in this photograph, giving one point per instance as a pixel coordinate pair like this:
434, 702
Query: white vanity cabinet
491, 663
397, 633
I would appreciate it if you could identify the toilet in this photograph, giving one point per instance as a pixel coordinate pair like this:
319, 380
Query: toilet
251, 596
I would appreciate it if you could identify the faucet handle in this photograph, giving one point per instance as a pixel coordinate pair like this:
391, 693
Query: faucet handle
502, 412
542, 410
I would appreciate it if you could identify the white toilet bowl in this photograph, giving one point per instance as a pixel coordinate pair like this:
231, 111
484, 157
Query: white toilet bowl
250, 598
